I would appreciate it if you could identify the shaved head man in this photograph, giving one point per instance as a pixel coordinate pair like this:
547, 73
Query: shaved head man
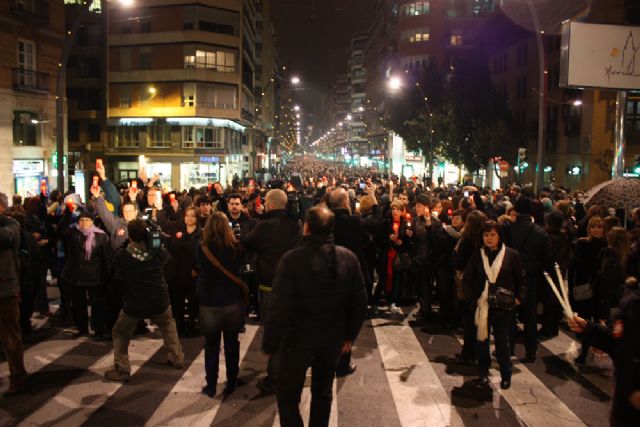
275, 199
339, 199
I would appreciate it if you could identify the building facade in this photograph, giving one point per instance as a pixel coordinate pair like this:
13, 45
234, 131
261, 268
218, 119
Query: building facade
181, 82
32, 35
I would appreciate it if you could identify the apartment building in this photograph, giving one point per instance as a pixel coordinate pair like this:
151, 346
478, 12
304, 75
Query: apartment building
181, 80
32, 34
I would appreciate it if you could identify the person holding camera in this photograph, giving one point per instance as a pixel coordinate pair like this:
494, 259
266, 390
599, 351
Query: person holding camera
493, 281
222, 297
146, 296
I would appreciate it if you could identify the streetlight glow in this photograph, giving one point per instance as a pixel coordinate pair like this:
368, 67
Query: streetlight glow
577, 102
394, 83
295, 80
296, 108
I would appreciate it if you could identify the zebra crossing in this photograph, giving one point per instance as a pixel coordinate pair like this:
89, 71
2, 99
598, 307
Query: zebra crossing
405, 377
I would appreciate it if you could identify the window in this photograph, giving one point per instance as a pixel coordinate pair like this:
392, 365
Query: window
145, 58
416, 35
219, 60
26, 63
217, 96
93, 132
202, 137
456, 38
415, 62
24, 129
633, 119
125, 97
415, 8
127, 136
159, 136
145, 27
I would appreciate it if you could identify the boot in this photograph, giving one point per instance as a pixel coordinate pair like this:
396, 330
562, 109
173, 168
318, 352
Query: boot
232, 362
211, 360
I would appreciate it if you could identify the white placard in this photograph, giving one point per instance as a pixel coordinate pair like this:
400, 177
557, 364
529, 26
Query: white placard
603, 56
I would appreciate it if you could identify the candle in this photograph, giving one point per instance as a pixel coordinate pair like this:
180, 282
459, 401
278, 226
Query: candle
408, 217
396, 226
561, 284
565, 306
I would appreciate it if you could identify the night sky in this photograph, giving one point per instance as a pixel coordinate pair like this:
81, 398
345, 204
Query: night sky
313, 38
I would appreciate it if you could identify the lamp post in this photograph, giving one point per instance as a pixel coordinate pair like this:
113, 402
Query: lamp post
60, 86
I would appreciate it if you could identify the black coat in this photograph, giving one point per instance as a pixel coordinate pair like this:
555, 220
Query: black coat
348, 231
182, 247
586, 261
609, 287
511, 275
429, 243
82, 272
213, 287
270, 239
532, 242
318, 298
146, 292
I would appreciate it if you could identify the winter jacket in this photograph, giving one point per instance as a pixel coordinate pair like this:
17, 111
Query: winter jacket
87, 273
213, 287
9, 266
318, 298
116, 226
270, 239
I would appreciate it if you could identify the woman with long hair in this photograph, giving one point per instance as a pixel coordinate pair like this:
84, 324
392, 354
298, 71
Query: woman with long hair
611, 284
182, 246
493, 282
221, 300
469, 242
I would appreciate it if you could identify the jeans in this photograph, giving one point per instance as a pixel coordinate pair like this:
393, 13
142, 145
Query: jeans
96, 297
212, 356
295, 363
123, 332
501, 325
11, 338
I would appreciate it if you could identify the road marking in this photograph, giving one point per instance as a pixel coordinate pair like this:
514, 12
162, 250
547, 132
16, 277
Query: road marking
419, 397
533, 403
185, 405
72, 404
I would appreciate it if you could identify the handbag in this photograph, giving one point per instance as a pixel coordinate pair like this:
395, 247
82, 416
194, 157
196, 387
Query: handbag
582, 292
402, 262
235, 279
501, 298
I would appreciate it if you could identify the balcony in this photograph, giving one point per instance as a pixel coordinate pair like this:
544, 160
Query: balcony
35, 10
30, 81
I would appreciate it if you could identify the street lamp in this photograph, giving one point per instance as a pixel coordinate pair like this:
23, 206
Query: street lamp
394, 83
295, 80
296, 108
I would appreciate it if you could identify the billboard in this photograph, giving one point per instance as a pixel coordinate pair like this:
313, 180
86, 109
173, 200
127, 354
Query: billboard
602, 56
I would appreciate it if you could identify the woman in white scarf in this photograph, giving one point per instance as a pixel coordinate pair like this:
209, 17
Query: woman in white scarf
494, 267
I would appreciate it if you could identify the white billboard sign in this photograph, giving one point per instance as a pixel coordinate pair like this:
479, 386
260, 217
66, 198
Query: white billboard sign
603, 56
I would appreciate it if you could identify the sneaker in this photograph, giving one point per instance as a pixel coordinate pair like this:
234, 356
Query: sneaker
117, 375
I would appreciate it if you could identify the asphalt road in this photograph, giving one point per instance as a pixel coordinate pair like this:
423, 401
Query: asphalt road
405, 377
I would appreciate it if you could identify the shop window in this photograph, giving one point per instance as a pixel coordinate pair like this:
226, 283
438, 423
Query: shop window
24, 128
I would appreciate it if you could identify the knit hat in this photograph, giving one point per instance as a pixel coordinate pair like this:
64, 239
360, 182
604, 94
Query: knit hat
86, 214
523, 205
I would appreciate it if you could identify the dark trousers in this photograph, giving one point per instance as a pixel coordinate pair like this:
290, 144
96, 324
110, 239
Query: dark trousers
469, 328
446, 293
114, 296
424, 282
273, 364
27, 298
212, 356
528, 316
295, 363
11, 338
501, 326
179, 294
96, 298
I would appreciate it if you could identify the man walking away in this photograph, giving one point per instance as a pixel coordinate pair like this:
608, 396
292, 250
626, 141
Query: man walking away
316, 309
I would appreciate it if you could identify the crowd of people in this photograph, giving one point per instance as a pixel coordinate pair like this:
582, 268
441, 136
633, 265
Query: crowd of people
202, 261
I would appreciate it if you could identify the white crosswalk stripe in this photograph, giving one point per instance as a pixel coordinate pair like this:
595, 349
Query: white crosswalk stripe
415, 393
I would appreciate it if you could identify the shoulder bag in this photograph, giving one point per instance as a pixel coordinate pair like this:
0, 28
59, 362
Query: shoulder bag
235, 279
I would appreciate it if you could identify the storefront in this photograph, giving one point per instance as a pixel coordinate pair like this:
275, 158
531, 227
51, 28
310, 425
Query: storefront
28, 174
199, 174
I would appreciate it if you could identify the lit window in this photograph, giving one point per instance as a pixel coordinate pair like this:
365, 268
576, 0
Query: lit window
220, 60
415, 8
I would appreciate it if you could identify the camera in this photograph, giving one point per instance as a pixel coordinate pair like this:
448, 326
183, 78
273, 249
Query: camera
154, 231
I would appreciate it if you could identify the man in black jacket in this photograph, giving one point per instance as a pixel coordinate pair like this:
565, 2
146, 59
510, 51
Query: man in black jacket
532, 242
317, 307
146, 295
269, 240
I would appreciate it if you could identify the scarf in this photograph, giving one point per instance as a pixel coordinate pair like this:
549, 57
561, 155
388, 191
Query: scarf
90, 241
482, 311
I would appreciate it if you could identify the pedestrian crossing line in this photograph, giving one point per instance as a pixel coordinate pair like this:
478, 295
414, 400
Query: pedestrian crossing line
567, 349
305, 404
72, 404
42, 354
185, 405
417, 392
533, 403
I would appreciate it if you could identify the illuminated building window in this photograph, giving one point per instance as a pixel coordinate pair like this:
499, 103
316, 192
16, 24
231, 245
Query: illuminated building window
416, 35
219, 60
415, 8
456, 38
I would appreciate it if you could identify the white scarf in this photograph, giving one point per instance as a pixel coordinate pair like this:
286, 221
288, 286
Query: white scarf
482, 311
